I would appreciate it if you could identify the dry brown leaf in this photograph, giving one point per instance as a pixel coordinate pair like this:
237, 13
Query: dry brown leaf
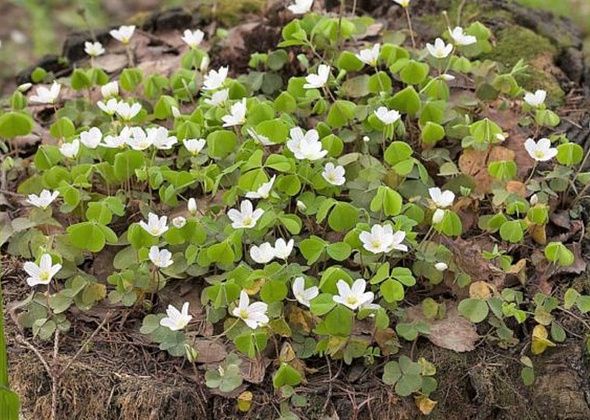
475, 164
301, 319
209, 351
425, 404
538, 234
453, 332
516, 187
480, 289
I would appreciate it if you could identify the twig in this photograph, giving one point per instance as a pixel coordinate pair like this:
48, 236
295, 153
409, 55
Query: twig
83, 345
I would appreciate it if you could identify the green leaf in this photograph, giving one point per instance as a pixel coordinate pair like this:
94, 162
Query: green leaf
397, 152
251, 342
130, 79
339, 321
80, 80
221, 143
273, 291
341, 113
127, 162
387, 200
312, 248
432, 132
414, 73
87, 236
392, 291
343, 217
339, 251
570, 154
556, 252
62, 128
322, 304
13, 124
406, 100
475, 310
286, 375
512, 231
391, 373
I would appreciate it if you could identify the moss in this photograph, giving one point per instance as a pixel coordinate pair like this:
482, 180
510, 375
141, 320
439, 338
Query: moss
231, 12
516, 42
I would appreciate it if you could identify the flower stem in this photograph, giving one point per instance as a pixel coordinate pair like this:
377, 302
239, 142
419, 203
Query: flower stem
409, 19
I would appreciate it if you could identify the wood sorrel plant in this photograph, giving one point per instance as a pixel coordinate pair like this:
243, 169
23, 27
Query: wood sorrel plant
313, 198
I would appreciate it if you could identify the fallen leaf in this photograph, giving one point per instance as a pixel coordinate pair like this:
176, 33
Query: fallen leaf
209, 351
480, 289
425, 404
474, 163
453, 332
540, 342
245, 401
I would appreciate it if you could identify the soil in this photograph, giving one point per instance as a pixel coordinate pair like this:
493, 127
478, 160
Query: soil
120, 375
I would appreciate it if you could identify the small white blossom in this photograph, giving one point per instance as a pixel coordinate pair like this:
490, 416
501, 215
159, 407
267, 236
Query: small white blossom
194, 146
263, 191
265, 141
193, 38
91, 138
237, 114
126, 111
161, 258
460, 38
441, 266
403, 3
42, 273
218, 97
24, 87
93, 49
46, 96
155, 225
123, 34
192, 206
70, 150
300, 7
115, 142
254, 315
175, 112
447, 77
215, 78
176, 320
109, 90
138, 140
301, 206
535, 99
441, 199
334, 174
366, 139
305, 145
370, 56
42, 200
179, 222
262, 254
541, 151
283, 249
534, 200
158, 136
387, 116
438, 216
246, 217
110, 107
303, 295
383, 239
439, 49
205, 61
319, 80
353, 297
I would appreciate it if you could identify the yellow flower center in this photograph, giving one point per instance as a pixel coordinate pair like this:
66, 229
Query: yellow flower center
539, 154
247, 221
44, 276
243, 314
352, 300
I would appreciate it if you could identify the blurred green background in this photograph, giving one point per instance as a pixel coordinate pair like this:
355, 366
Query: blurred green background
32, 28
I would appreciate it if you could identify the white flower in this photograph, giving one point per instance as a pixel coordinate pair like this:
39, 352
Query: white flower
303, 295
246, 217
158, 136
155, 226
176, 320
109, 90
334, 174
370, 56
42, 273
126, 111
193, 38
263, 191
441, 199
46, 96
42, 200
387, 116
461, 38
262, 254
353, 297
382, 239
175, 112
192, 206
366, 139
305, 145
161, 258
110, 107
447, 77
439, 49
301, 206
93, 49
403, 3
541, 151
179, 222
283, 249
218, 97
237, 114
91, 138
205, 61
316, 81
115, 142
254, 315
535, 99
194, 146
215, 78
438, 216
24, 87
70, 150
534, 200
138, 140
441, 266
300, 7
265, 141
123, 34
